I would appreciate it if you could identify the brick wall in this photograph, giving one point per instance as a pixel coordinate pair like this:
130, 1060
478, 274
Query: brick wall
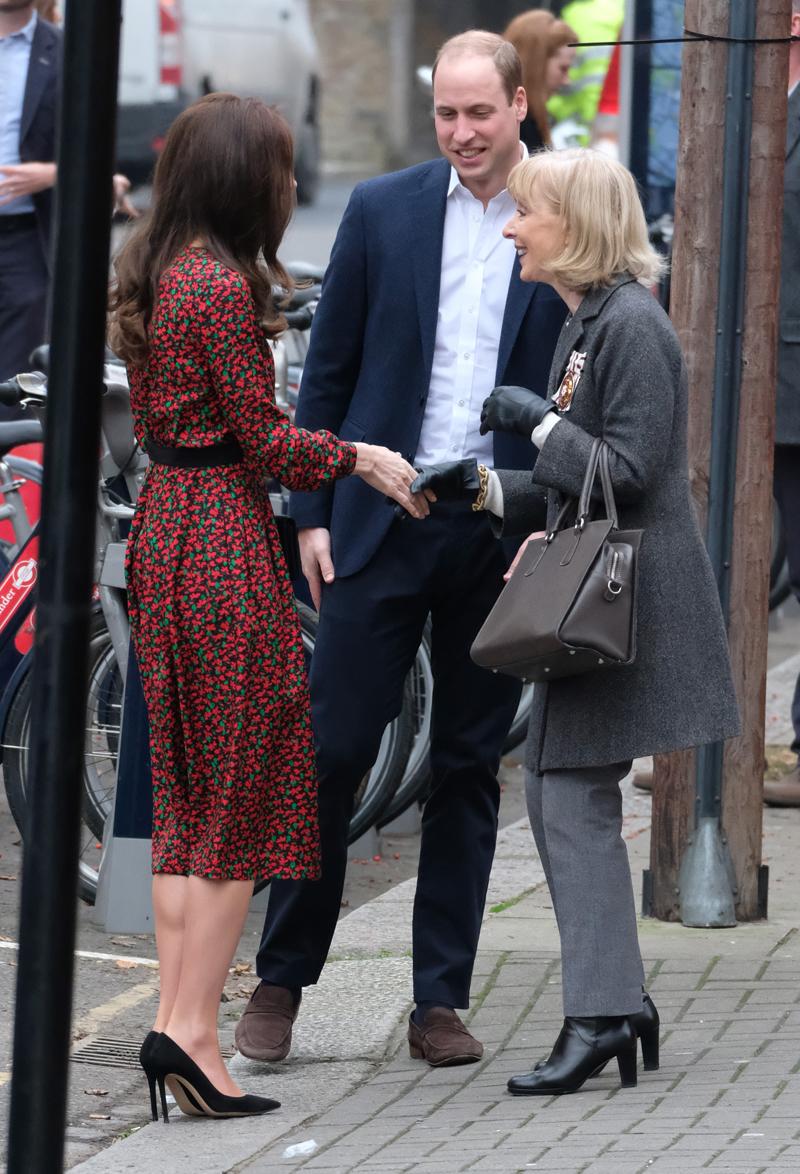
374, 116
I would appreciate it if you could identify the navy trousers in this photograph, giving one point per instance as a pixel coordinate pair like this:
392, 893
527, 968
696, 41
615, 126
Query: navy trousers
448, 565
787, 495
23, 300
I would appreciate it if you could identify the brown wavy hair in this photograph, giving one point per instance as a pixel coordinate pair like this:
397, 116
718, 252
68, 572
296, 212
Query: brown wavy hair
223, 177
537, 35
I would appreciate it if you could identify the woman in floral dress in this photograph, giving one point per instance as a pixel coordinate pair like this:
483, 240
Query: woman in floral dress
211, 603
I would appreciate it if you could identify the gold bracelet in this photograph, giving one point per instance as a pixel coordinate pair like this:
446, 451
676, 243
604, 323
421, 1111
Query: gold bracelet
480, 501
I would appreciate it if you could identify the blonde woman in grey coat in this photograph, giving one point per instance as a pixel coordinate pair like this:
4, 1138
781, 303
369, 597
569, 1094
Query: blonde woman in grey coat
618, 374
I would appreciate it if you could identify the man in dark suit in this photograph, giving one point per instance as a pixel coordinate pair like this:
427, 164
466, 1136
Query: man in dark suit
422, 312
785, 792
30, 53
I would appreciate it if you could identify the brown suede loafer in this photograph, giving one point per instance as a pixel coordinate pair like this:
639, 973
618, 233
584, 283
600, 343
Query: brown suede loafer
264, 1031
443, 1040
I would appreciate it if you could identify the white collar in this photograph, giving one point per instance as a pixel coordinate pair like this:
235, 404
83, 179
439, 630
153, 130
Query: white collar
455, 180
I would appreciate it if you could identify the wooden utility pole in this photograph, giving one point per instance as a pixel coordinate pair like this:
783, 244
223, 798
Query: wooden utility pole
695, 297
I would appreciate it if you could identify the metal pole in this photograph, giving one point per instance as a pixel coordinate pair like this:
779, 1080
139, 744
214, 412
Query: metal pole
707, 882
47, 918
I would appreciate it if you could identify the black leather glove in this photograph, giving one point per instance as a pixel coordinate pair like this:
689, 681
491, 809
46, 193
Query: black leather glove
450, 481
513, 409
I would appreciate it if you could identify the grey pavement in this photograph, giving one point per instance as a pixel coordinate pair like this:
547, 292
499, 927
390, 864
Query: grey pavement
726, 1098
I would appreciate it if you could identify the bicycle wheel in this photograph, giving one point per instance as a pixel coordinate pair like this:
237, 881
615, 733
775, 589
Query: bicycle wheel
379, 784
519, 727
417, 773
99, 763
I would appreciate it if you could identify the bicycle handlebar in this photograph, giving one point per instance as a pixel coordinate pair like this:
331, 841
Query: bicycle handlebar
299, 319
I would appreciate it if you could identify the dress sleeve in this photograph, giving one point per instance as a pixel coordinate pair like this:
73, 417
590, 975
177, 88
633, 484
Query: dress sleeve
243, 378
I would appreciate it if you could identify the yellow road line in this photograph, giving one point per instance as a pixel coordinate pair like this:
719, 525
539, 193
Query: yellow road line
93, 1020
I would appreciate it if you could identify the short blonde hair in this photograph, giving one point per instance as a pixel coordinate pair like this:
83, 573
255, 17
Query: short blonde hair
603, 216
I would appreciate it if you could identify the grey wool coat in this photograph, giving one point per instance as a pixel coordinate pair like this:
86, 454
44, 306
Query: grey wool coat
632, 391
787, 419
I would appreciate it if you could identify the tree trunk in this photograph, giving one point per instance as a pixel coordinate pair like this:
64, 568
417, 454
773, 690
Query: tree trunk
694, 298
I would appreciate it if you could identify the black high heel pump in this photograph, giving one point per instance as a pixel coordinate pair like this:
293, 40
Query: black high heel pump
583, 1046
194, 1093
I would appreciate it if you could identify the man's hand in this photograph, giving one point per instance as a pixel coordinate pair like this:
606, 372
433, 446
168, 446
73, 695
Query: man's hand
513, 409
315, 559
25, 179
121, 186
521, 551
450, 481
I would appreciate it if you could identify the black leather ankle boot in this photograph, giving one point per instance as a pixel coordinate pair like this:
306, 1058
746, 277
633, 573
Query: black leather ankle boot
583, 1046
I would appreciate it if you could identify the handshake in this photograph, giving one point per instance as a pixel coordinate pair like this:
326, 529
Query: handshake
507, 409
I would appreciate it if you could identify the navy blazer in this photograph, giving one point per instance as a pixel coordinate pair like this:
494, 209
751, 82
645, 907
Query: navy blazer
368, 368
38, 126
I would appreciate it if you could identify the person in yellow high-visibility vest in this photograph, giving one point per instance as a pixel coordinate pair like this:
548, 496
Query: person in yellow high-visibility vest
593, 20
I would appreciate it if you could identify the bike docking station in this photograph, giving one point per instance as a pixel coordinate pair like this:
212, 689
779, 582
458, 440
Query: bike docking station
124, 901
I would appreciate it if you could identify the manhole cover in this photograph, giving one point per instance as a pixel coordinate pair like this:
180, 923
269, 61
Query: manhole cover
115, 1053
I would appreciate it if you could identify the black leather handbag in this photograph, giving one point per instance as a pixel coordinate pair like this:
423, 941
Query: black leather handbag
570, 605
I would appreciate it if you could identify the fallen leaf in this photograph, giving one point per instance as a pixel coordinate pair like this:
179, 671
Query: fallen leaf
241, 968
96, 1092
125, 964
99, 1116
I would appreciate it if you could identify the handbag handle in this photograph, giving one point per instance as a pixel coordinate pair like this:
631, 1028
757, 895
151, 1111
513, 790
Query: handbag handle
598, 458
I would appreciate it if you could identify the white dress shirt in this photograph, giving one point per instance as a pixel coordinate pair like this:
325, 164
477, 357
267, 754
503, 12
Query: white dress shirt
477, 263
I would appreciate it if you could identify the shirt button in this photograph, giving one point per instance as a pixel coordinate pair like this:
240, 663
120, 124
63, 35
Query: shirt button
454, 448
461, 403
467, 355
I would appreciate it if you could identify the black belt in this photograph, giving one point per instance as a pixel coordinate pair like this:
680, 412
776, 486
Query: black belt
227, 452
14, 221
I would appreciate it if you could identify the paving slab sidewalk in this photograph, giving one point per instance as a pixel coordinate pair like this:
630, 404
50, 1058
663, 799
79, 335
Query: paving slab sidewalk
726, 1098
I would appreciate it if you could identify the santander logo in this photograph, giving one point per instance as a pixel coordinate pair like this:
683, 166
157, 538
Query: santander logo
16, 587
24, 573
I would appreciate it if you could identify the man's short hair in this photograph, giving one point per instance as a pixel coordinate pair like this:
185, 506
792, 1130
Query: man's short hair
479, 43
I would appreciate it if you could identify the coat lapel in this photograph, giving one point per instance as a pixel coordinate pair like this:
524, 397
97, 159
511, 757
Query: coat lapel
571, 333
519, 298
426, 209
793, 121
42, 63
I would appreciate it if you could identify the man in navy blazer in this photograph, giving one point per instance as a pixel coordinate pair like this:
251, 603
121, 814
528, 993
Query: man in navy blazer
422, 313
30, 62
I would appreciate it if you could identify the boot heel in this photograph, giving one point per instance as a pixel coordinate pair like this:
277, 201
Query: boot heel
415, 1053
626, 1061
164, 1108
649, 1041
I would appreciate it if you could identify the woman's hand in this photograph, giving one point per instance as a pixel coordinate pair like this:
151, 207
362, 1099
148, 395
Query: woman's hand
521, 551
391, 475
513, 409
450, 481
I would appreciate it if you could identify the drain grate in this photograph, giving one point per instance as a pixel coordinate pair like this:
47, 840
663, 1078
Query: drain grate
115, 1053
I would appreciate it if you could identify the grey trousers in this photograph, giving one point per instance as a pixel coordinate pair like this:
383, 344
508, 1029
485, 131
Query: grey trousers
576, 817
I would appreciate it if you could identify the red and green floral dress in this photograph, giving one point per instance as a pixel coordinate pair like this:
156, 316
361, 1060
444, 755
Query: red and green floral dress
211, 605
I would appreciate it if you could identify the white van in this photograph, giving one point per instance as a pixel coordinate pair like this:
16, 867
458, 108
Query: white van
150, 93
173, 51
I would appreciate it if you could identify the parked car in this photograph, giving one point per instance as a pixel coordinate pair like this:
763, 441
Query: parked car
173, 51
